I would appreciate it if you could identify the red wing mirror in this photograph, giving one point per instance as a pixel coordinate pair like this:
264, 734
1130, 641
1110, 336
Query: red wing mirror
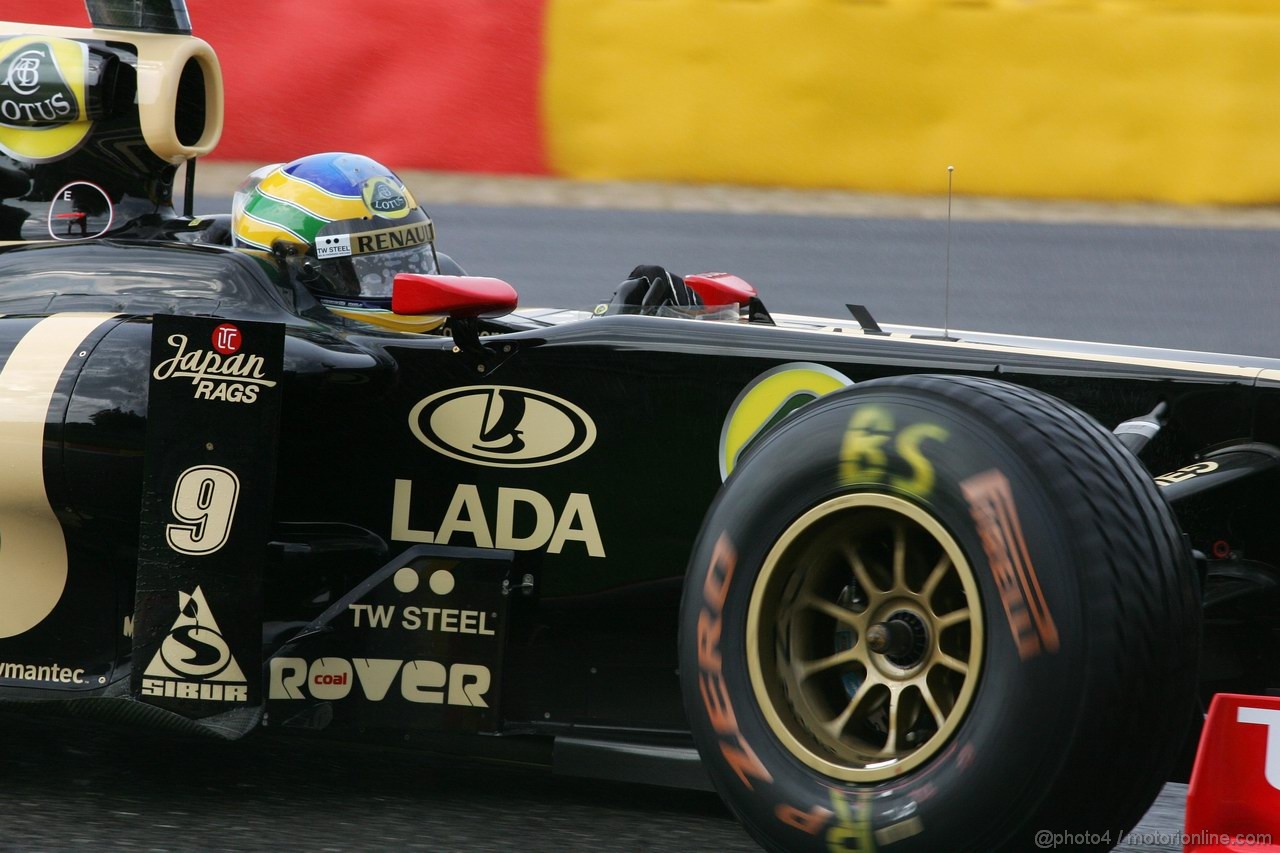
452, 295
720, 288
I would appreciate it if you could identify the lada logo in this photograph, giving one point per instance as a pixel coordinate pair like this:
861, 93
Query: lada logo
502, 426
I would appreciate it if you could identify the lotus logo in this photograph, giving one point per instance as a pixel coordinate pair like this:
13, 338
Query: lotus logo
24, 71
34, 92
384, 197
503, 427
768, 400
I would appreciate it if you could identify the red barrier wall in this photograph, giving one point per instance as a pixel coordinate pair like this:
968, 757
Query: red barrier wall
1160, 100
433, 84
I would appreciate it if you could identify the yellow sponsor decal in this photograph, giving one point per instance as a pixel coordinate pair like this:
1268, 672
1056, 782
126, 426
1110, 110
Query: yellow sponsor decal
42, 97
1190, 472
769, 398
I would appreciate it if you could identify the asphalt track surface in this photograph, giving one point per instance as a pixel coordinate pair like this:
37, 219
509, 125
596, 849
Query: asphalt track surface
90, 788
1188, 288
1198, 288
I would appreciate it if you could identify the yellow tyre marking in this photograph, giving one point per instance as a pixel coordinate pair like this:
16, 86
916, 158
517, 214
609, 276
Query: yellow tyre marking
33, 551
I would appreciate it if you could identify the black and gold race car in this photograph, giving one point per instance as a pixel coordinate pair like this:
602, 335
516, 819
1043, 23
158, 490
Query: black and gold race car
879, 586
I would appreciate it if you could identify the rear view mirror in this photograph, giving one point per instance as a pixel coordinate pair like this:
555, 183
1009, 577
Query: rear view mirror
460, 296
720, 288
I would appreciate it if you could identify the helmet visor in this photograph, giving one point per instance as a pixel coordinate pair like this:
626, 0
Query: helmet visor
371, 276
360, 260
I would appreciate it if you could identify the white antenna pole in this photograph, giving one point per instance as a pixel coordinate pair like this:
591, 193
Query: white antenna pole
946, 310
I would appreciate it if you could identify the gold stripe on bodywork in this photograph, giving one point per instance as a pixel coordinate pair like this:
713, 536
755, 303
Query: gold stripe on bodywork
1247, 370
33, 551
1154, 363
390, 320
1269, 377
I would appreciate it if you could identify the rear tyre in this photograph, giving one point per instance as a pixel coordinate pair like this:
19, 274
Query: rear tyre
939, 613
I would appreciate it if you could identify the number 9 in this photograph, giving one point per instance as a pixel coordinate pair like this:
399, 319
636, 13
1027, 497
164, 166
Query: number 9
204, 499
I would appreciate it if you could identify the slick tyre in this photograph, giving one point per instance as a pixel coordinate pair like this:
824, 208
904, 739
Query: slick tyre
938, 613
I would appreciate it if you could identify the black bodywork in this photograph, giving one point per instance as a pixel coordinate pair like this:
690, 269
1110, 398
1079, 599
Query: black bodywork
465, 591
587, 631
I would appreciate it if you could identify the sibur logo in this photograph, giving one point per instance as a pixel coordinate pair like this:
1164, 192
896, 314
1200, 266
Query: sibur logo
503, 427
194, 660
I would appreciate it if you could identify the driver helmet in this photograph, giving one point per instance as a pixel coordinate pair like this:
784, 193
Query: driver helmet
343, 225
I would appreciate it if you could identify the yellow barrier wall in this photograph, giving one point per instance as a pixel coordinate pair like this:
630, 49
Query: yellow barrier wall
1128, 99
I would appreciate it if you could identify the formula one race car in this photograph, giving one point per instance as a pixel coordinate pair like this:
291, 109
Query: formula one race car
880, 587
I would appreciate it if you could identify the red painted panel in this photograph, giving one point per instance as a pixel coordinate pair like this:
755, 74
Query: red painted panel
432, 84
1233, 802
59, 13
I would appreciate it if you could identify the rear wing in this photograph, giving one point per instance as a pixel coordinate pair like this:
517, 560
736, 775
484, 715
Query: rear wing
155, 16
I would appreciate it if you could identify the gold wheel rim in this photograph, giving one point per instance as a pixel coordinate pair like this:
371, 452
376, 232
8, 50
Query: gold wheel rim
851, 564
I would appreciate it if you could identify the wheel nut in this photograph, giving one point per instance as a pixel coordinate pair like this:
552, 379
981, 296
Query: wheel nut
892, 638
878, 638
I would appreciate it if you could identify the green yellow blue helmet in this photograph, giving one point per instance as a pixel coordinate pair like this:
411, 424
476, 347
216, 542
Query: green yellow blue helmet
343, 224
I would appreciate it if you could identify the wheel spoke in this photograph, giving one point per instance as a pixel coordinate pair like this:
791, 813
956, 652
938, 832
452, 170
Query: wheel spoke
900, 557
854, 561
860, 571
891, 740
835, 728
830, 608
807, 669
935, 577
955, 617
938, 717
